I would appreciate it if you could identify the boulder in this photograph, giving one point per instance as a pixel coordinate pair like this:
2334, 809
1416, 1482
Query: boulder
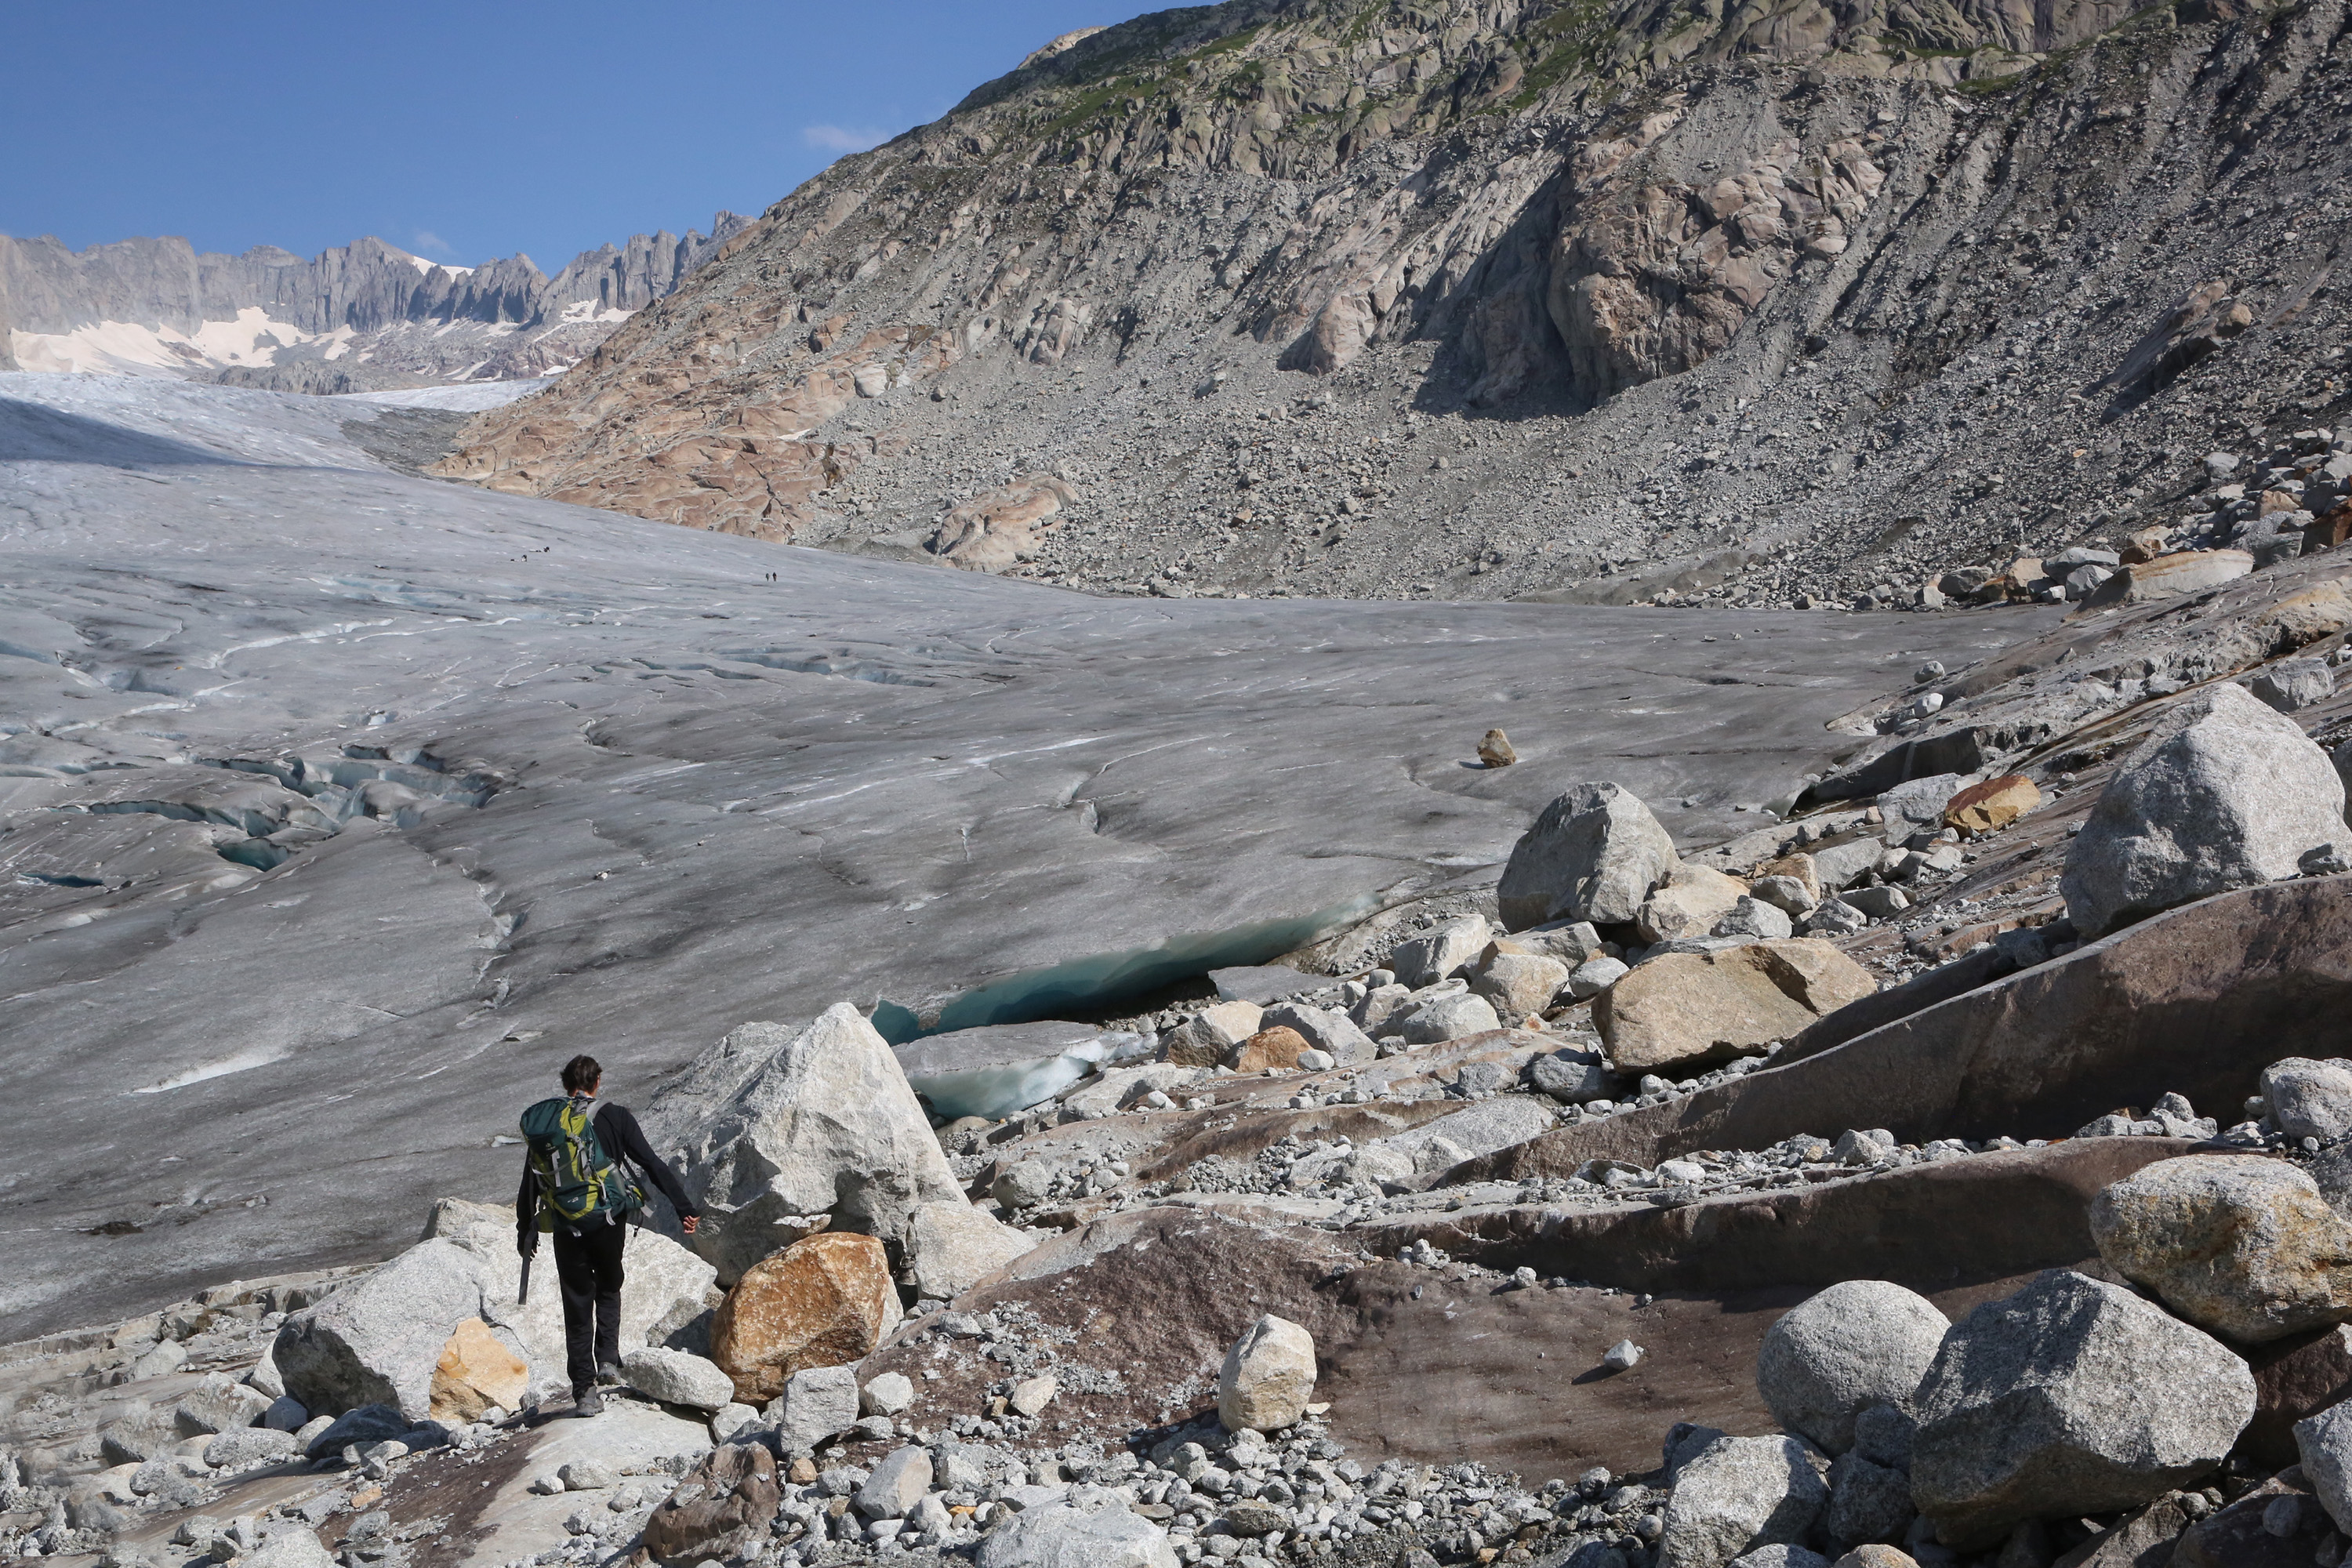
378, 1340
1754, 919
1841, 865
664, 1288
2144, 1538
1594, 854
2240, 1245
2310, 1099
1327, 1030
2224, 793
674, 1377
1689, 904
476, 1370
2324, 1443
1596, 974
1737, 1494
1572, 1077
1686, 1010
1268, 1377
1095, 1530
2070, 1396
1920, 802
1442, 1018
895, 1485
1426, 959
886, 1395
1787, 894
2167, 576
217, 1403
720, 1510
816, 1405
822, 1301
1868, 1501
1269, 1051
1799, 867
826, 1125
286, 1414
1203, 1040
1520, 985
243, 1446
1495, 750
953, 1245
1839, 1351
2293, 684
1993, 804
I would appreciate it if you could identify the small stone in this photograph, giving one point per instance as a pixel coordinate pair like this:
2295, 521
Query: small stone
1622, 1356
2309, 1099
2292, 685
585, 1476
1495, 750
1595, 976
677, 1377
1787, 894
1993, 804
1268, 1377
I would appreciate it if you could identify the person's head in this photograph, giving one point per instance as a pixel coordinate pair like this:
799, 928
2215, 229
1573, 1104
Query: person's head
582, 1075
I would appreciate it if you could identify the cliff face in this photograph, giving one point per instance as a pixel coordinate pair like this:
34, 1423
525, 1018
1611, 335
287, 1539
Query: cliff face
270, 318
1506, 298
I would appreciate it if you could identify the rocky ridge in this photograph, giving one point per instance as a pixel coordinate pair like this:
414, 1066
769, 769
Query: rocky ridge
1486, 301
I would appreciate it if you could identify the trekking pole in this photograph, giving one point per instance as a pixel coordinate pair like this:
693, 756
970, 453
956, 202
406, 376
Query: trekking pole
525, 1298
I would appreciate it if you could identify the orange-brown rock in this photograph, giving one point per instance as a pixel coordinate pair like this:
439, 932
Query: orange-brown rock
2329, 532
822, 1301
1269, 1051
1994, 804
1001, 527
1687, 1010
476, 1370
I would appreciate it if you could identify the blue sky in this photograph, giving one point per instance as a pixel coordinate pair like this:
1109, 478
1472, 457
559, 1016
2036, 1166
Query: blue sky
465, 132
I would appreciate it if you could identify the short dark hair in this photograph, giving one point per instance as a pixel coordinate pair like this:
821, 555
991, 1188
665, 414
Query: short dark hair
580, 1072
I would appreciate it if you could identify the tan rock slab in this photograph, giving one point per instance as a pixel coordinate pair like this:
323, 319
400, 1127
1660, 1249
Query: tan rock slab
1994, 804
476, 1370
1687, 1010
1269, 1051
1690, 903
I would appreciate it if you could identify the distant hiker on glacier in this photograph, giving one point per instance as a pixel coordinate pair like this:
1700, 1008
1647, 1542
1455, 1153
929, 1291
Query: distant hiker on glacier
575, 1186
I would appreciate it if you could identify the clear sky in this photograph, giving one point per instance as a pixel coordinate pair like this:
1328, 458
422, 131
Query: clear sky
467, 131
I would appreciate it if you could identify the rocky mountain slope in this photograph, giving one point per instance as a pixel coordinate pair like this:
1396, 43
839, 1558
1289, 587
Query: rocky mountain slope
352, 318
1505, 297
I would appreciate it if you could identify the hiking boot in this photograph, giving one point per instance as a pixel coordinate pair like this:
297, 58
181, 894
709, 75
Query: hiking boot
587, 1401
608, 1374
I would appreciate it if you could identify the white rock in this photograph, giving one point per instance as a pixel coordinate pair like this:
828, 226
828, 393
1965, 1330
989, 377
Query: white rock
2310, 1099
2224, 793
1594, 975
1622, 1356
1593, 854
886, 1395
1449, 1017
1858, 1343
677, 1377
1097, 1531
1268, 1377
1737, 1494
377, 1340
816, 1405
729, 1421
897, 1484
951, 1245
827, 1125
1032, 1395
1428, 959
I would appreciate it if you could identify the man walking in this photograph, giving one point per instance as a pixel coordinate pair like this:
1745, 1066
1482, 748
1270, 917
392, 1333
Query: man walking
573, 1186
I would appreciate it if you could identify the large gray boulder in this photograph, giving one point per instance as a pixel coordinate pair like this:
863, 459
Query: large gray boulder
1426, 959
1442, 1018
2072, 1396
953, 1245
2310, 1099
1594, 854
677, 1377
2241, 1245
2224, 793
1092, 1529
2324, 1443
826, 1125
1858, 1343
1736, 1494
816, 1405
377, 1340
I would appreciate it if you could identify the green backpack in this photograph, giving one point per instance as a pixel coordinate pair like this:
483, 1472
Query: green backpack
577, 1180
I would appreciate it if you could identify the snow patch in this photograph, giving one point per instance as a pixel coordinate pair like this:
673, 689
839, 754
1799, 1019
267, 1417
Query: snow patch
586, 311
127, 348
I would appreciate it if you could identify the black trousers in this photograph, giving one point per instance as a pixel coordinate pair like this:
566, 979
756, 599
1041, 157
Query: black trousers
588, 1269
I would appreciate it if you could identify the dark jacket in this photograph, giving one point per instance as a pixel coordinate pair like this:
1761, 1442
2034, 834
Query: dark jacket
623, 1139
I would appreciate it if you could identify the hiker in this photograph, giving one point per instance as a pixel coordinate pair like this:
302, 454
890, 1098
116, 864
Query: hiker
573, 1184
